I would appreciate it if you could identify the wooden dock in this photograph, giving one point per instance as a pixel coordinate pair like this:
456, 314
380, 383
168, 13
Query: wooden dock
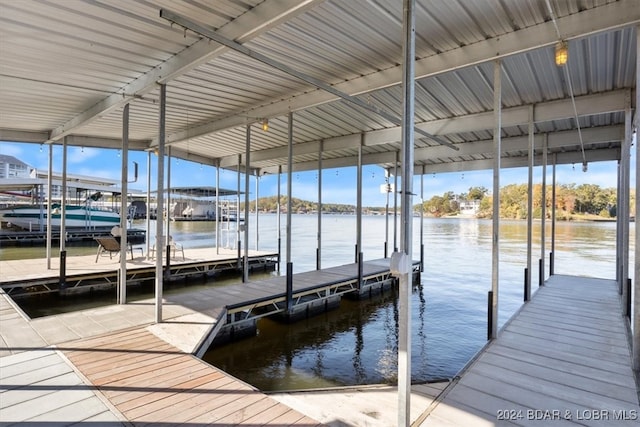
127, 368
563, 359
130, 376
31, 276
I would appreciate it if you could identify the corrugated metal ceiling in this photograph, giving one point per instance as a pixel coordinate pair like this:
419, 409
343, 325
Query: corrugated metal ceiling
62, 58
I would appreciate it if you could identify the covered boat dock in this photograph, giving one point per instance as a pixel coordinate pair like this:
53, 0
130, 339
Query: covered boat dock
271, 87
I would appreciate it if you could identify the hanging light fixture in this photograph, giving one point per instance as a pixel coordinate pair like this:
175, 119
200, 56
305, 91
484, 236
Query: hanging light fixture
265, 124
562, 53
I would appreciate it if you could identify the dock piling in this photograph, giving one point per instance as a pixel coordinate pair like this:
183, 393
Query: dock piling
540, 273
490, 319
526, 284
628, 301
63, 271
289, 287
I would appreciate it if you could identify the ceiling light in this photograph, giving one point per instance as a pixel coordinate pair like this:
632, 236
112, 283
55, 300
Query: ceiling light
265, 124
562, 53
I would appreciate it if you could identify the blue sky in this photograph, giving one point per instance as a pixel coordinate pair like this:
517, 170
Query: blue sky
339, 185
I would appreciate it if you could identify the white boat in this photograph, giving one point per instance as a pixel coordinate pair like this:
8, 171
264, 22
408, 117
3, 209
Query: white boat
30, 217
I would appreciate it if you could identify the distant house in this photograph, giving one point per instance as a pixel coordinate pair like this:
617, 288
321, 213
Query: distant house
10, 167
469, 207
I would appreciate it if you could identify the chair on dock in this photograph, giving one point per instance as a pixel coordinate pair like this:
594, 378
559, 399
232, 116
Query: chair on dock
111, 245
173, 247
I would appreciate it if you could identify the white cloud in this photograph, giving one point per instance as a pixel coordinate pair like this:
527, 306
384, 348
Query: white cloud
79, 155
11, 150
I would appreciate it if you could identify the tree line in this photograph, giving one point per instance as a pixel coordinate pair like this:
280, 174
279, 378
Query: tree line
571, 201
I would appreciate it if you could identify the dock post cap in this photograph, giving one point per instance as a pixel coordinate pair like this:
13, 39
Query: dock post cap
399, 264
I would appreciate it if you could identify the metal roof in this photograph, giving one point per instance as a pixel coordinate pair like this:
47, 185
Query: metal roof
68, 67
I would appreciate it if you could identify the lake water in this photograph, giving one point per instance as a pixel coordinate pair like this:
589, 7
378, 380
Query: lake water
357, 343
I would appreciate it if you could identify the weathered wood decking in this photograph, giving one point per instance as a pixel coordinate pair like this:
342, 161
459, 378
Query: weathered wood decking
84, 271
131, 376
564, 359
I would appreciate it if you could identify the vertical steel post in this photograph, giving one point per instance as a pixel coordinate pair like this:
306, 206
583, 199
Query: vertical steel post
497, 154
247, 176
422, 221
636, 283
278, 217
257, 210
124, 244
553, 217
319, 237
406, 237
386, 214
148, 213
289, 206
167, 267
49, 200
218, 210
625, 155
395, 203
619, 226
543, 208
359, 201
160, 201
530, 156
238, 230
63, 220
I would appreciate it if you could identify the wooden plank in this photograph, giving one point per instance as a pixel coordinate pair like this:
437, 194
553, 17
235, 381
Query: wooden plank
143, 397
189, 405
574, 337
538, 347
566, 349
596, 372
493, 406
507, 366
571, 324
519, 340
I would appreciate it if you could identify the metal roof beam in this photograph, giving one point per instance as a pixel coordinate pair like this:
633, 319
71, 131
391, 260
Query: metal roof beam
554, 110
199, 29
72, 140
622, 13
256, 21
557, 141
599, 155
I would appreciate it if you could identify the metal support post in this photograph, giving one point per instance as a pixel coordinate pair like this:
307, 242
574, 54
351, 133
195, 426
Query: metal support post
63, 220
160, 202
148, 213
530, 158
319, 248
543, 207
218, 210
122, 289
278, 217
49, 208
553, 216
359, 200
247, 176
406, 237
497, 154
635, 324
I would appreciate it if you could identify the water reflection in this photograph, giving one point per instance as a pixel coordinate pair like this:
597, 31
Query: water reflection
357, 344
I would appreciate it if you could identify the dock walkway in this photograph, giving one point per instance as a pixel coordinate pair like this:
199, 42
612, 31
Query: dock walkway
114, 364
563, 359
83, 271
